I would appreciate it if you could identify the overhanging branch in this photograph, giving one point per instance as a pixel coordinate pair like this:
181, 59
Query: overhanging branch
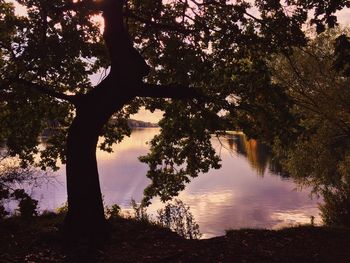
171, 91
47, 91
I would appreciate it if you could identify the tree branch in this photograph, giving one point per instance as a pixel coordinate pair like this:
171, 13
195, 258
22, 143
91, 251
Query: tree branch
90, 5
47, 91
254, 18
156, 25
171, 91
125, 59
100, 6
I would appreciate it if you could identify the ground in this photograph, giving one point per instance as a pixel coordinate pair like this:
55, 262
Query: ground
39, 240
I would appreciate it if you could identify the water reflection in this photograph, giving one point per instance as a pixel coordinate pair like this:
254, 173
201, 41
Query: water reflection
335, 209
243, 193
258, 154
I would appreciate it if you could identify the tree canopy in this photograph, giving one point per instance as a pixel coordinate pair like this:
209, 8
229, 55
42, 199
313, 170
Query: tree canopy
316, 79
204, 63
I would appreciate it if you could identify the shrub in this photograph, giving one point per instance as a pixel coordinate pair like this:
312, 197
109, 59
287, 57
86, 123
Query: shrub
177, 217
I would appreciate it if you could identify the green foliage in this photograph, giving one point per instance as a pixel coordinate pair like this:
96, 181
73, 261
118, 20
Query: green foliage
59, 54
336, 207
316, 80
224, 56
4, 194
177, 156
217, 48
177, 217
342, 55
27, 206
321, 99
113, 211
323, 11
140, 211
63, 209
12, 178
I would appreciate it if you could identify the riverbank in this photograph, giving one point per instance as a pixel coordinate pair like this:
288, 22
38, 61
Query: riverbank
133, 241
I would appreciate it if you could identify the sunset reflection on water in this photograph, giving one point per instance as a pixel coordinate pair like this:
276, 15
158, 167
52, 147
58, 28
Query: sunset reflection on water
244, 193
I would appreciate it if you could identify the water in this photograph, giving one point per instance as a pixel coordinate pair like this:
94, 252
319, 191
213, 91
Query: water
244, 193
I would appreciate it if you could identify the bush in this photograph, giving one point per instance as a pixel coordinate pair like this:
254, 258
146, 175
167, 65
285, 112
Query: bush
113, 211
179, 219
140, 211
63, 209
26, 206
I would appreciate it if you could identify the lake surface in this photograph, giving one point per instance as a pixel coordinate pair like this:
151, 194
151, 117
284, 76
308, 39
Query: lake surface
244, 193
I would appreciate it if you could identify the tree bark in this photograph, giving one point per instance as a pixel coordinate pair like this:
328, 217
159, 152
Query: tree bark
85, 217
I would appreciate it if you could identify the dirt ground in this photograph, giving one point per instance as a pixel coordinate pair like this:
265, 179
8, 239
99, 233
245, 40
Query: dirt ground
132, 241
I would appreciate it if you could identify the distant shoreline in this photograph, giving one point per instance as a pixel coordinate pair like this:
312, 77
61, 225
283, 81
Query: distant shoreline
141, 124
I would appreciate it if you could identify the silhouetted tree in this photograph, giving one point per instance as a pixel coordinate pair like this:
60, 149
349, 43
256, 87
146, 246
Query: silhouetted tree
207, 56
316, 79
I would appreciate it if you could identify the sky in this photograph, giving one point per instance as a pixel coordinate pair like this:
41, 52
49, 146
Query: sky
147, 116
344, 17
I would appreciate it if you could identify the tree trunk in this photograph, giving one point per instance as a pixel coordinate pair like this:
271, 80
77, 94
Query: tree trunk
85, 218
85, 208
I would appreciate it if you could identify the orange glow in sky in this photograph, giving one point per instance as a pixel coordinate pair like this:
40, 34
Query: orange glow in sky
99, 20
145, 115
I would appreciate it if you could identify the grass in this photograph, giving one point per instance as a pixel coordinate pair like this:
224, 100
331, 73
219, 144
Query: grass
132, 241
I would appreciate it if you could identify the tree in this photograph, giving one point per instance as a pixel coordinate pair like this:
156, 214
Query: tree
198, 59
316, 78
178, 217
12, 179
